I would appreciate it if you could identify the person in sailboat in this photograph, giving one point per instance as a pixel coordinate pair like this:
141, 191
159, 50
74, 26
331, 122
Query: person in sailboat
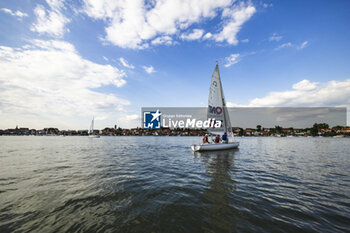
217, 139
205, 139
224, 138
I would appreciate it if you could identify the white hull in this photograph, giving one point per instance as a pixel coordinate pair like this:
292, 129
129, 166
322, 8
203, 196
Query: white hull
94, 136
214, 147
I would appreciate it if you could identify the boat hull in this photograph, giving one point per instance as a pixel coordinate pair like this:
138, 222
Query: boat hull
215, 147
94, 136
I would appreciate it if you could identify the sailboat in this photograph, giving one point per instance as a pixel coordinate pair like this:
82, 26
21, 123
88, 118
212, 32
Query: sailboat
217, 110
91, 130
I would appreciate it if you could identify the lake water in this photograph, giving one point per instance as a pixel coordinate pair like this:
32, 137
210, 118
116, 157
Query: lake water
156, 184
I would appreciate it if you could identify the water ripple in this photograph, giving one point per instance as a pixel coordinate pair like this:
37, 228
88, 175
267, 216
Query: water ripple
156, 184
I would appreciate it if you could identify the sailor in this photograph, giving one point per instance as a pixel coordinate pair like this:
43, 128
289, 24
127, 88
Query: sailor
205, 139
224, 138
217, 139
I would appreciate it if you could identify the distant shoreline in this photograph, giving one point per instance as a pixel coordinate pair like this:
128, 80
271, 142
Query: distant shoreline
318, 129
53, 135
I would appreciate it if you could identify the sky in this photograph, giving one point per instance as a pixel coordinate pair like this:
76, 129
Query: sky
63, 62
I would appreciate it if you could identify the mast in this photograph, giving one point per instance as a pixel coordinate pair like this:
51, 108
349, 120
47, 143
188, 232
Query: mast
222, 99
227, 124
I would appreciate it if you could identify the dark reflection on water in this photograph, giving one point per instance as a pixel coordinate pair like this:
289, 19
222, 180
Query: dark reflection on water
219, 212
156, 184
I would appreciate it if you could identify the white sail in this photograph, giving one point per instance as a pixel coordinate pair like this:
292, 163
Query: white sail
91, 130
217, 106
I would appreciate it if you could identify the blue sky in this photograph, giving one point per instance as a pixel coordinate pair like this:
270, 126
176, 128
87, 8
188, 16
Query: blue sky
61, 62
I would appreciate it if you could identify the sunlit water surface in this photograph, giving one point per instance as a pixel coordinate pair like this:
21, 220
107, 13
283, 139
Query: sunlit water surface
156, 184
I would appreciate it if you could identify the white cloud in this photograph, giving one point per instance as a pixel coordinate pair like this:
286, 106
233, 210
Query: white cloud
194, 35
132, 120
305, 85
245, 40
232, 59
234, 18
303, 45
265, 5
234, 105
105, 58
47, 81
275, 37
101, 117
17, 13
208, 35
137, 24
55, 4
149, 69
308, 94
285, 45
126, 64
51, 21
289, 44
167, 40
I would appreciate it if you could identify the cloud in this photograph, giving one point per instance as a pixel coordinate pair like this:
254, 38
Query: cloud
234, 18
132, 120
308, 94
105, 58
245, 40
303, 45
285, 45
275, 37
167, 40
194, 35
236, 57
289, 44
47, 81
51, 22
232, 59
234, 105
265, 5
149, 69
126, 64
208, 35
17, 13
138, 24
305, 85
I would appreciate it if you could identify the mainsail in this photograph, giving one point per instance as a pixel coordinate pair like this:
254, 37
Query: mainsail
91, 130
217, 109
